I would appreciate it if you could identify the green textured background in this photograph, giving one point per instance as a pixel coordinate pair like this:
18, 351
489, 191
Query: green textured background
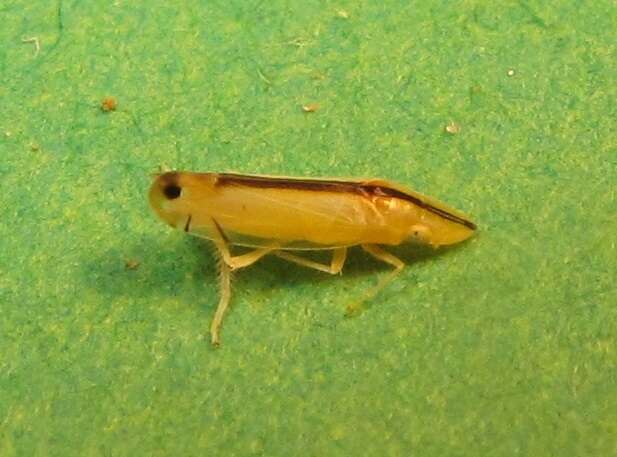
503, 346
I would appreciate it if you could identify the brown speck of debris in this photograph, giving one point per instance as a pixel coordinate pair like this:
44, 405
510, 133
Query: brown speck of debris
131, 264
109, 104
453, 128
310, 108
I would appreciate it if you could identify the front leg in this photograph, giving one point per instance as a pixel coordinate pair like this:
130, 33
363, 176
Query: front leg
227, 264
244, 260
238, 261
225, 297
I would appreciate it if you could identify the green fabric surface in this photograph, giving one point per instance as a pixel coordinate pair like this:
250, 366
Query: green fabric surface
502, 346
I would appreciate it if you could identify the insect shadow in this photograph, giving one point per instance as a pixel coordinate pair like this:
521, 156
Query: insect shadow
149, 267
186, 267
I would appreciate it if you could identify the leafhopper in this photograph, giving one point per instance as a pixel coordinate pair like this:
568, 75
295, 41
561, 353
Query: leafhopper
284, 216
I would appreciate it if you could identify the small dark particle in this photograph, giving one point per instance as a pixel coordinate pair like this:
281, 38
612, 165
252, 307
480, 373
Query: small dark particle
187, 226
109, 104
131, 264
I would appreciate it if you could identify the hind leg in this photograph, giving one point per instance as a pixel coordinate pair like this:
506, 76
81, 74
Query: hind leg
336, 265
383, 255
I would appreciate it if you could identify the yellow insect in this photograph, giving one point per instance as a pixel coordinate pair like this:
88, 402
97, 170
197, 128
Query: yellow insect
283, 216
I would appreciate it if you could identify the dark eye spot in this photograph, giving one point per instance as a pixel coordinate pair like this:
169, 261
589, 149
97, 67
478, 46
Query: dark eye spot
172, 191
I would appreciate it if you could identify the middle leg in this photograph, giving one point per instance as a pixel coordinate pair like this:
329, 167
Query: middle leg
336, 264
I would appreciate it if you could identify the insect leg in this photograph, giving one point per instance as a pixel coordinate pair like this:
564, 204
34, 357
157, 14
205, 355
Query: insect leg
244, 260
336, 265
227, 264
386, 257
225, 284
238, 261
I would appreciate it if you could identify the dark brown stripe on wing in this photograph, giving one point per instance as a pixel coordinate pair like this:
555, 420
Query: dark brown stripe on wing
368, 190
389, 192
287, 183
